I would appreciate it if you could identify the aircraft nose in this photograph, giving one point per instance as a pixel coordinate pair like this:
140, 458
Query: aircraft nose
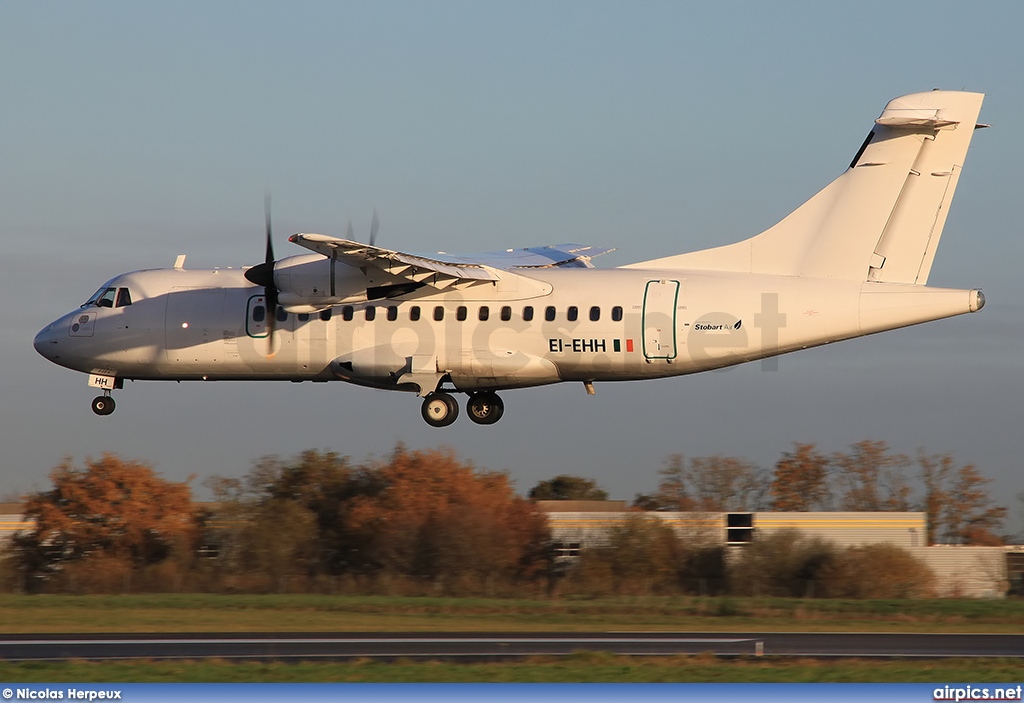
45, 342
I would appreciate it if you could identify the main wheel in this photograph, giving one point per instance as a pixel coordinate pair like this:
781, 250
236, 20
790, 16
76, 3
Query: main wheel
439, 409
485, 408
103, 405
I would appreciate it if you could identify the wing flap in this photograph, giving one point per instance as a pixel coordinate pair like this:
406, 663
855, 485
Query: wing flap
394, 263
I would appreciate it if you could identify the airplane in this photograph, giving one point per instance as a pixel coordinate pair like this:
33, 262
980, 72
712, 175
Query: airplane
851, 261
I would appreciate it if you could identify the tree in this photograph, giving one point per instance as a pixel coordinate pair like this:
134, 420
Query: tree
707, 484
566, 487
723, 483
110, 509
934, 472
800, 482
871, 479
970, 517
671, 494
438, 518
959, 509
316, 485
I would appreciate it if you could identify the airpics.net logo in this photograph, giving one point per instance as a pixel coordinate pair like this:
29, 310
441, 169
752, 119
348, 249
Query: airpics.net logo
978, 693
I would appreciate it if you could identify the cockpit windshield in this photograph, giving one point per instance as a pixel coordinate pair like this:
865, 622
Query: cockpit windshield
109, 297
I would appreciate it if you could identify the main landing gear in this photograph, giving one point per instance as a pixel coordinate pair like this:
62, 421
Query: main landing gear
103, 404
483, 407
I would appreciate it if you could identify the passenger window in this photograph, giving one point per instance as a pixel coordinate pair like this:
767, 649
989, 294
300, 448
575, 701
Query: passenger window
528, 313
124, 298
549, 313
439, 313
371, 313
595, 314
485, 312
282, 314
303, 317
617, 313
506, 313
325, 315
392, 313
572, 313
346, 313
259, 313
460, 313
414, 313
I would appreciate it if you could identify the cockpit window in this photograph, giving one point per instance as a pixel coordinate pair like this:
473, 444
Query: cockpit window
94, 298
107, 299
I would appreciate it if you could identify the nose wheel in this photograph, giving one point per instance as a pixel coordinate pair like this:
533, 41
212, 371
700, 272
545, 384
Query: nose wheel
485, 408
439, 409
103, 404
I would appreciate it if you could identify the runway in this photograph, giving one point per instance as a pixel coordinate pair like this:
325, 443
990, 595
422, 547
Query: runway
495, 646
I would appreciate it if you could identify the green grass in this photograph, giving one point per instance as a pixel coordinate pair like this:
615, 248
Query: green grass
589, 667
314, 613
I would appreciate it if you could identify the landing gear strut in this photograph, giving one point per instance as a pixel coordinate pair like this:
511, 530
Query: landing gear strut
103, 404
485, 408
439, 409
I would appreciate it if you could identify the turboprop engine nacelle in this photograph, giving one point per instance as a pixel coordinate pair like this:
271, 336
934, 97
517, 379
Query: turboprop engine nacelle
311, 282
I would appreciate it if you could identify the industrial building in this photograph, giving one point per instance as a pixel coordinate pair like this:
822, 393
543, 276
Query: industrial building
960, 571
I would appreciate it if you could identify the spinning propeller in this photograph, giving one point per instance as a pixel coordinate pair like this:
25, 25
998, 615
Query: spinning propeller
263, 274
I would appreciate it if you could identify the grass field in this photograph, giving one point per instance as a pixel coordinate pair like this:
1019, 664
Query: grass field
583, 667
299, 613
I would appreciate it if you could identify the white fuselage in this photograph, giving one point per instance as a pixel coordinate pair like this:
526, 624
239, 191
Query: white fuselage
629, 324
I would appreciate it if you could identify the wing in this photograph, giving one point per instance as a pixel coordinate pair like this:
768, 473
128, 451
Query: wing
395, 265
442, 270
553, 256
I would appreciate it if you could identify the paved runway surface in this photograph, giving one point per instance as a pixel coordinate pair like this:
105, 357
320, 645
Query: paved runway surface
501, 645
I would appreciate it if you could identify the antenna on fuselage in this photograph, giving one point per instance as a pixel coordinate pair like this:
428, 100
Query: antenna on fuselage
179, 263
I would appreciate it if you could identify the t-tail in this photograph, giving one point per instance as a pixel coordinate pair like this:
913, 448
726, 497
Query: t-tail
882, 219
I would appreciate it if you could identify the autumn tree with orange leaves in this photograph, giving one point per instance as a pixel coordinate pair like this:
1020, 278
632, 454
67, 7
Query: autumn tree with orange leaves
800, 481
111, 511
438, 518
424, 517
959, 509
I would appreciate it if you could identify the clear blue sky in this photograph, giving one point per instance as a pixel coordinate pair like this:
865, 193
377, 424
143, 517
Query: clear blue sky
132, 132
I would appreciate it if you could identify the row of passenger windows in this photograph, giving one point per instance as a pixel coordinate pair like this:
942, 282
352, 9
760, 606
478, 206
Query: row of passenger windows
483, 313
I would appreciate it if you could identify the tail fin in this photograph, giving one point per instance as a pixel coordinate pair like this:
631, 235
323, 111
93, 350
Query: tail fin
881, 220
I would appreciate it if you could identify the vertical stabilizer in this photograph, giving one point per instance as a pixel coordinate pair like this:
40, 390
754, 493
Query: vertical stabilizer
881, 220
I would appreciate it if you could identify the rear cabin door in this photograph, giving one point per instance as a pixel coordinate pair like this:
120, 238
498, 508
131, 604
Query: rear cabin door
659, 319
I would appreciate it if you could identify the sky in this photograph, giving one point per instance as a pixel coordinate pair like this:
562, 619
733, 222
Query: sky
134, 132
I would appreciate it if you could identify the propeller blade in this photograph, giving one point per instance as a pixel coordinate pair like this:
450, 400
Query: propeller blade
270, 240
349, 235
374, 226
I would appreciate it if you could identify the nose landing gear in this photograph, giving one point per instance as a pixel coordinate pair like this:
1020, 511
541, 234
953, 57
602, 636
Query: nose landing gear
103, 404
